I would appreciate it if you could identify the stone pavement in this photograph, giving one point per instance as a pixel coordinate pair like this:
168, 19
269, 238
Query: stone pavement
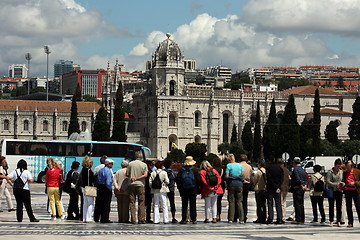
60, 229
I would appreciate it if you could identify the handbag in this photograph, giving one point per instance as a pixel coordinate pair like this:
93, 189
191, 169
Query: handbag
328, 193
90, 191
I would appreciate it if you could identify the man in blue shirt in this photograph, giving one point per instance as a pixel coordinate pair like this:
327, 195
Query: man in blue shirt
299, 185
104, 193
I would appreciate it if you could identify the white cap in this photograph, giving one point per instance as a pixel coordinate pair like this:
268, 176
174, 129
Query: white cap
108, 160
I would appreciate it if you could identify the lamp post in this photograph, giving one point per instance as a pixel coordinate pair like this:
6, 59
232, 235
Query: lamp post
28, 58
47, 51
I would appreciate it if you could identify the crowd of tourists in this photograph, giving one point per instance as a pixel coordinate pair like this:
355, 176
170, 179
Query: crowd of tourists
152, 185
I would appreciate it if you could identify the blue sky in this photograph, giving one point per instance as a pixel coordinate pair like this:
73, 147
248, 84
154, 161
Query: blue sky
235, 33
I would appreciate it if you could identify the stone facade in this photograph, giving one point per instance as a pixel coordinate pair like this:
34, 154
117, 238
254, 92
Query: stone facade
172, 112
43, 120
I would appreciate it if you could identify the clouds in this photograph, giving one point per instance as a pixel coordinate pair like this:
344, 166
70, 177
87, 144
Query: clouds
330, 16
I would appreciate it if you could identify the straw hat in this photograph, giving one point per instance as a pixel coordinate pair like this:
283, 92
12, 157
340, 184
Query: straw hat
189, 161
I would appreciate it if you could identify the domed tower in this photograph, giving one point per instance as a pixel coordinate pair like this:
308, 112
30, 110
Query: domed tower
168, 72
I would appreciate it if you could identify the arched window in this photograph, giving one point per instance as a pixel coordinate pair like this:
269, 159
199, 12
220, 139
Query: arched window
226, 127
6, 125
172, 142
26, 125
172, 120
197, 119
83, 126
65, 126
172, 88
45, 126
197, 139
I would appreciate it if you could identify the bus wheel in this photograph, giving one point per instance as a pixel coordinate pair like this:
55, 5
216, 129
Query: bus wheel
41, 177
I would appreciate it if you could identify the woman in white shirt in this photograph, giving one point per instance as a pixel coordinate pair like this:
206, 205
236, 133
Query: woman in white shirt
22, 191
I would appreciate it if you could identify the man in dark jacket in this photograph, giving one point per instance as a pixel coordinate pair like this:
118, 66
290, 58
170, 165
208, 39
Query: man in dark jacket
187, 182
299, 185
274, 177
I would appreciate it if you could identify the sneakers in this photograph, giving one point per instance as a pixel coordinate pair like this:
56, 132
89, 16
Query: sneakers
63, 217
206, 221
11, 210
230, 221
174, 221
214, 220
53, 219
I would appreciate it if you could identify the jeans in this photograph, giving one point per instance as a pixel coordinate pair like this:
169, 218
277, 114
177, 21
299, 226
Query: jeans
338, 199
271, 196
210, 205
298, 197
352, 195
139, 192
187, 198
157, 198
171, 197
102, 204
235, 196
246, 189
260, 205
318, 201
22, 198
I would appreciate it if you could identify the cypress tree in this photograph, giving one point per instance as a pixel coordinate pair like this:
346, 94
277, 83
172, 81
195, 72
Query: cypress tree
331, 133
118, 133
247, 137
316, 124
101, 127
305, 135
289, 139
257, 135
270, 133
74, 121
354, 125
233, 134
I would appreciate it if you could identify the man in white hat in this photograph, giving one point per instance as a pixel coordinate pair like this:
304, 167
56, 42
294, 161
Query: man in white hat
187, 182
104, 193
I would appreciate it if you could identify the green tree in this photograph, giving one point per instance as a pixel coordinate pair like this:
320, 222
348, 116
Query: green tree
196, 150
237, 149
316, 124
224, 148
270, 133
285, 83
331, 133
257, 135
328, 149
340, 83
305, 135
88, 98
289, 137
233, 134
354, 125
247, 137
349, 148
101, 127
74, 121
176, 155
118, 133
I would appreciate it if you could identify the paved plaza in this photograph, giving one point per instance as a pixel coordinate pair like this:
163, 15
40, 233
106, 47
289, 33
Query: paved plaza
61, 229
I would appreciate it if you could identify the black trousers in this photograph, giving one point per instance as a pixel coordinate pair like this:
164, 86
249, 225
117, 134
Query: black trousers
185, 200
148, 203
102, 204
352, 195
260, 199
318, 201
219, 206
298, 198
338, 199
246, 189
171, 196
22, 198
73, 208
271, 196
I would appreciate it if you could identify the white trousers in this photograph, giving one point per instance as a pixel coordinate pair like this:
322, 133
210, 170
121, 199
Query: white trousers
163, 198
210, 205
4, 191
87, 207
283, 204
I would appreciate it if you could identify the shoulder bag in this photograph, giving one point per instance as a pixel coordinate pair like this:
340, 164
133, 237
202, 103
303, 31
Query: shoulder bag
90, 191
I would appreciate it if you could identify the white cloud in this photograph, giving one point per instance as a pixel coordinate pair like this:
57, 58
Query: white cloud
335, 16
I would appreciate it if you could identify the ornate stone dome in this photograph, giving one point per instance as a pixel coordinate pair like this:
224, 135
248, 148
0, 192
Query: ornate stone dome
168, 50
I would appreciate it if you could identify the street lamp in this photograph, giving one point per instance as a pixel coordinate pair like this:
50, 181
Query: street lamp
47, 51
28, 58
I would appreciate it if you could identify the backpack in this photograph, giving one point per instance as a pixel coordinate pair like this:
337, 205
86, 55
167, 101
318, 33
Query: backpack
319, 185
18, 183
211, 177
156, 183
188, 178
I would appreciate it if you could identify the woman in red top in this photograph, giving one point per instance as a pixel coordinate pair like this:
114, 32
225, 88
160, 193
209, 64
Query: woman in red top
352, 190
52, 178
210, 188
